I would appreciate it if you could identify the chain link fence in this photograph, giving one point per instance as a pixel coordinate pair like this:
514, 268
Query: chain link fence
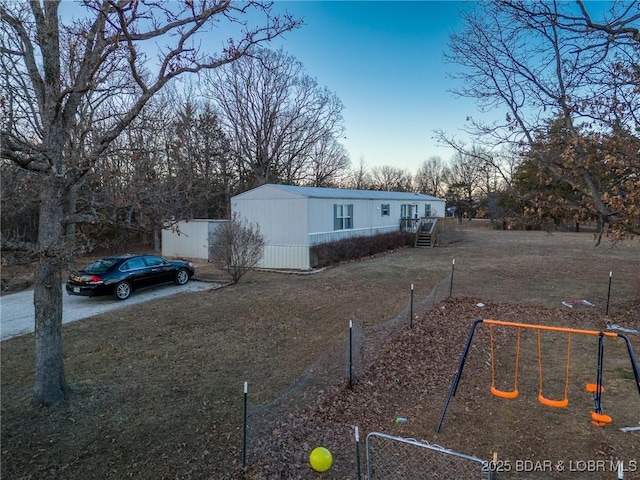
395, 458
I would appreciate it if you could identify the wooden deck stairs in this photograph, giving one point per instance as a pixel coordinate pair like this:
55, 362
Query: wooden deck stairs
425, 233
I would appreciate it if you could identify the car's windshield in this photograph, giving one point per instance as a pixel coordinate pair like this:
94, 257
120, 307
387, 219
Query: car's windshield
100, 266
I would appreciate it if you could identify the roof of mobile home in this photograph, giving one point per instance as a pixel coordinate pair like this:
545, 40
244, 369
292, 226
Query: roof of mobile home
343, 193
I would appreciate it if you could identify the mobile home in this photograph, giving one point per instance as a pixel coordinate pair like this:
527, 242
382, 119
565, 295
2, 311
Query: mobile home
293, 218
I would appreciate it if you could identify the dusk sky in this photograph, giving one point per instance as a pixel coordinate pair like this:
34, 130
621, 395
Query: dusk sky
384, 60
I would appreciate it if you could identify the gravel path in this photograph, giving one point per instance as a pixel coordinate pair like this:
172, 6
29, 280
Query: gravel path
17, 314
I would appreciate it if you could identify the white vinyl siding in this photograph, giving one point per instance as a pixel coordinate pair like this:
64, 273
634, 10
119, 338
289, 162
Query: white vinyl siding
189, 239
294, 218
285, 257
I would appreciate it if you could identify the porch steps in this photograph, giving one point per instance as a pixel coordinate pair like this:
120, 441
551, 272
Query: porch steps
425, 237
423, 240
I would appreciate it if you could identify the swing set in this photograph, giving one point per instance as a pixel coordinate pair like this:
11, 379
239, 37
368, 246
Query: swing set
598, 418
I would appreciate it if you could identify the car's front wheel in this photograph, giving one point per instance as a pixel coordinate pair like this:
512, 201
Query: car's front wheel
182, 276
122, 291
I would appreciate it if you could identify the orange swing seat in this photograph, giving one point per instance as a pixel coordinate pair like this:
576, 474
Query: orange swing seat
564, 402
504, 394
553, 403
600, 419
592, 388
508, 394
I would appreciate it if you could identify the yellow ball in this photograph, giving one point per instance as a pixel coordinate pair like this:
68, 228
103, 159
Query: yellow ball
320, 459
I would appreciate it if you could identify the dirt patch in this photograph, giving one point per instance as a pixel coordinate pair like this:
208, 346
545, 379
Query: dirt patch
158, 387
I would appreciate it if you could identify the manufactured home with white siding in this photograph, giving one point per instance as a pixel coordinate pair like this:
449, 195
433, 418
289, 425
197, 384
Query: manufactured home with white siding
292, 218
189, 239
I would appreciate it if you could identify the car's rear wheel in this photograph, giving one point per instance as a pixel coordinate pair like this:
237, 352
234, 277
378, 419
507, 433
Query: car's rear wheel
182, 276
122, 291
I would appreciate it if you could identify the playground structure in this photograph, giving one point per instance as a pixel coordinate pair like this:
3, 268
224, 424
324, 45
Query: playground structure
598, 418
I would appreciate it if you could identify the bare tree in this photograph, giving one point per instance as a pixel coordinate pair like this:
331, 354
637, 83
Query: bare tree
274, 114
238, 246
125, 193
202, 174
391, 179
329, 162
430, 177
463, 179
18, 204
52, 70
360, 177
550, 62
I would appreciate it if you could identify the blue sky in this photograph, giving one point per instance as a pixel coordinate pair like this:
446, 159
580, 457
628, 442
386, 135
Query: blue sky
384, 60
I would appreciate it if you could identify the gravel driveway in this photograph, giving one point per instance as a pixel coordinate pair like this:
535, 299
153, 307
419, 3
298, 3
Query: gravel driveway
17, 315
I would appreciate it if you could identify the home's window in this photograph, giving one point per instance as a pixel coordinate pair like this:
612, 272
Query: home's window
427, 210
342, 217
385, 210
407, 210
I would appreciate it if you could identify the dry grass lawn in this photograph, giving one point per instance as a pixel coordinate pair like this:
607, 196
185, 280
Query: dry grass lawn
158, 387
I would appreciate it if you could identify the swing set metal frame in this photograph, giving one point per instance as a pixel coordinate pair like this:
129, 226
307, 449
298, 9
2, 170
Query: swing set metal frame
598, 418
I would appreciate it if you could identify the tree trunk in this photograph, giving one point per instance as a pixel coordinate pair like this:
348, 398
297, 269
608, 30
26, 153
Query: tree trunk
157, 240
50, 383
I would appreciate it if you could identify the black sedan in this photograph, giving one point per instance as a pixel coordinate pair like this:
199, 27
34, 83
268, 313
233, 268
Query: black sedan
122, 274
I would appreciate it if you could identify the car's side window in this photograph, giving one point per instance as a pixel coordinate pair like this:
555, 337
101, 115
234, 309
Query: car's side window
134, 264
153, 261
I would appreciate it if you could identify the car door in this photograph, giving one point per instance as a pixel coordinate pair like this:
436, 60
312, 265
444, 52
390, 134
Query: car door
161, 271
137, 272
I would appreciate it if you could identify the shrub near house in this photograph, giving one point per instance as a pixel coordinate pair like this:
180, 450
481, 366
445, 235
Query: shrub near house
332, 253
